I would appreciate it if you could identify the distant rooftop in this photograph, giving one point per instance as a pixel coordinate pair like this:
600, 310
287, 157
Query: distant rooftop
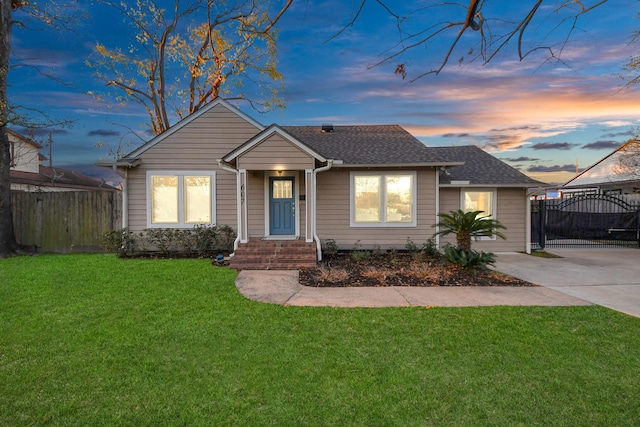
61, 178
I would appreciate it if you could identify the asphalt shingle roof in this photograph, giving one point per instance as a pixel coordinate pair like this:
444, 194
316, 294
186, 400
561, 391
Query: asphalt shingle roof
58, 177
480, 168
365, 144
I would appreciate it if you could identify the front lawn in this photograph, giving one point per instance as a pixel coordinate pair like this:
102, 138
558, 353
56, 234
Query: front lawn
96, 340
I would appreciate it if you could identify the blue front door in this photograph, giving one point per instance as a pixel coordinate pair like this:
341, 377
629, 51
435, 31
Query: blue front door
282, 206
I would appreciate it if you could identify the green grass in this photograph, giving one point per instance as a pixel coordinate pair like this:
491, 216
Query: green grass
92, 340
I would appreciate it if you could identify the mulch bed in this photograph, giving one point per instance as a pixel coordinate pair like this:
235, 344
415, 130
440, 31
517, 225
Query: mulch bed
398, 269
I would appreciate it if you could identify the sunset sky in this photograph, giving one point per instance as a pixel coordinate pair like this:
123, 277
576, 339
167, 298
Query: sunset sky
541, 117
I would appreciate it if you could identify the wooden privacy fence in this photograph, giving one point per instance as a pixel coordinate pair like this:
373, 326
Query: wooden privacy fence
65, 222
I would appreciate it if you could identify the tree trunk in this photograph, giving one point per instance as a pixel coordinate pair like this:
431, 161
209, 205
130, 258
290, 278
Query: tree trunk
8, 243
463, 239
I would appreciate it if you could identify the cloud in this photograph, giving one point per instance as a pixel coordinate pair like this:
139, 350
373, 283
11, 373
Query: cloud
456, 135
103, 133
520, 159
504, 142
516, 128
554, 168
602, 145
518, 110
628, 133
553, 146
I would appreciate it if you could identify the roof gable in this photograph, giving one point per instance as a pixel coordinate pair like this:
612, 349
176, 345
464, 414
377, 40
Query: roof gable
16, 137
264, 136
194, 116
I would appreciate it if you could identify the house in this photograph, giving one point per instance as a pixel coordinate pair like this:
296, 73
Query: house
365, 186
28, 174
616, 174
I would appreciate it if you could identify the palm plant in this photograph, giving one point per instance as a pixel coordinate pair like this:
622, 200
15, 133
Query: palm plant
466, 225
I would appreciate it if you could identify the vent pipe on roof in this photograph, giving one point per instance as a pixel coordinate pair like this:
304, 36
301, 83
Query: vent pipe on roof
327, 128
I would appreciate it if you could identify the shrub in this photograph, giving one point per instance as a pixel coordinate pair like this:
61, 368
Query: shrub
120, 241
112, 240
331, 247
225, 236
413, 249
358, 254
199, 241
185, 240
162, 238
129, 244
469, 259
430, 248
467, 225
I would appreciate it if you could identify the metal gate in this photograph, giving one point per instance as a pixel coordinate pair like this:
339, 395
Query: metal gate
585, 220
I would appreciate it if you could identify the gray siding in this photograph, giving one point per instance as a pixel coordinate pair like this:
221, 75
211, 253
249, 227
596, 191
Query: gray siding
196, 146
256, 200
275, 153
511, 212
333, 221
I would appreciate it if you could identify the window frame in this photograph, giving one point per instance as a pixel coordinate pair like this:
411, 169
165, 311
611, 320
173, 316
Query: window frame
383, 199
494, 204
181, 174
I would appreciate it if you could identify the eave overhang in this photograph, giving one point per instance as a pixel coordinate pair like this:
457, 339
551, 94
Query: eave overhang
485, 185
120, 163
397, 165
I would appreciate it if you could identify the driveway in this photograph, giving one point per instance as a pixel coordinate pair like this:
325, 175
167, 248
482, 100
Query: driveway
608, 277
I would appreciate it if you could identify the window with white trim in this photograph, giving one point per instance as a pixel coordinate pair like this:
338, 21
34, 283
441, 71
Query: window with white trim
480, 200
383, 199
180, 199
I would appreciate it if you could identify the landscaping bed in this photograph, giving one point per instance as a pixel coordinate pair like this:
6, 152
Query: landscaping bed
398, 269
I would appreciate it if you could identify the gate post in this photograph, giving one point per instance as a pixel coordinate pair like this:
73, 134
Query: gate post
542, 238
638, 227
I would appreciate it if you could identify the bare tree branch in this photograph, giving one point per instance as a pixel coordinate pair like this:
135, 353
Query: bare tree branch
275, 20
491, 42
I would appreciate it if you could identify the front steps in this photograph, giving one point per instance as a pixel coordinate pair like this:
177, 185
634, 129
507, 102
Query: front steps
261, 254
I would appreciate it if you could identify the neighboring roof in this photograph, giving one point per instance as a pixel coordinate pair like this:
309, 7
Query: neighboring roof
191, 117
367, 145
480, 169
24, 138
267, 133
61, 178
611, 169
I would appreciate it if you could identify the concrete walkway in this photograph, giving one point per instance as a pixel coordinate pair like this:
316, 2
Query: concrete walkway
608, 277
282, 287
